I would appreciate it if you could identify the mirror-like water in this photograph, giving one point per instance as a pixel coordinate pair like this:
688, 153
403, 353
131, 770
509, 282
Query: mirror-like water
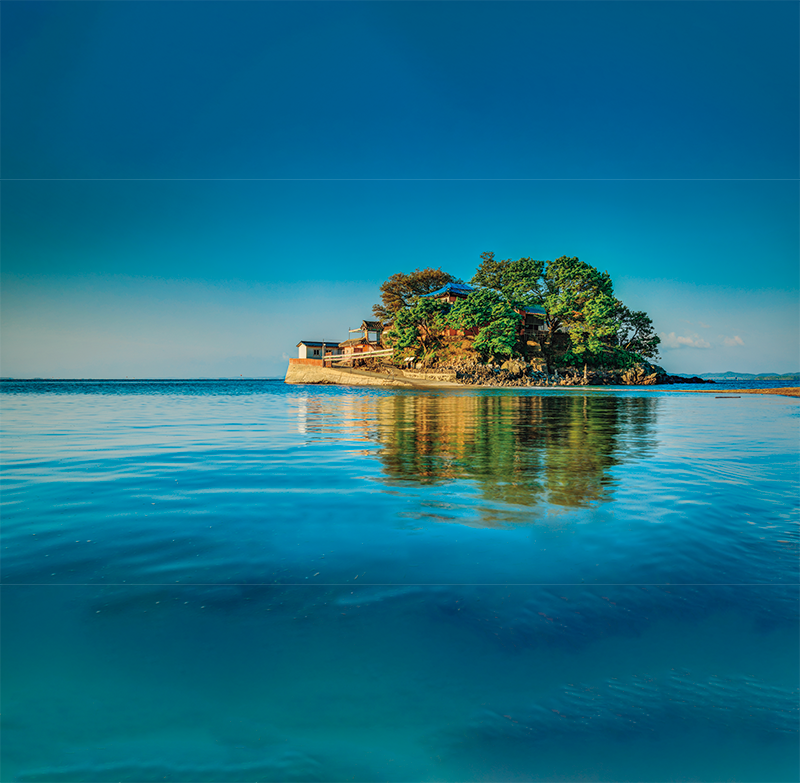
236, 581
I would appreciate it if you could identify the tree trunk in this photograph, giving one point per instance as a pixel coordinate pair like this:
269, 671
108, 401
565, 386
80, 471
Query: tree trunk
546, 346
585, 375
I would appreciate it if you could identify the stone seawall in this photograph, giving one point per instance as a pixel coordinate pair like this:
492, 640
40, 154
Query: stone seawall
311, 371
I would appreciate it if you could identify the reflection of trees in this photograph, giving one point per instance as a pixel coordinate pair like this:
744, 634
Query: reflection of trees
518, 449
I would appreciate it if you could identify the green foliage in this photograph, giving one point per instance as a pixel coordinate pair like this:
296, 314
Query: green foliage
400, 291
578, 301
635, 333
622, 338
497, 320
519, 281
578, 298
498, 338
491, 273
610, 358
575, 294
418, 328
592, 326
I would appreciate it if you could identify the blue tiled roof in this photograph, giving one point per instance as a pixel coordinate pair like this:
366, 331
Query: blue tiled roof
536, 310
459, 289
318, 342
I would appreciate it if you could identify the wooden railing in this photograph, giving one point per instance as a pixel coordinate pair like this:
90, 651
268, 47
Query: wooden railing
348, 358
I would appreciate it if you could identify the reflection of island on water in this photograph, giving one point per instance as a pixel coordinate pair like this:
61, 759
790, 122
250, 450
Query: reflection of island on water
518, 449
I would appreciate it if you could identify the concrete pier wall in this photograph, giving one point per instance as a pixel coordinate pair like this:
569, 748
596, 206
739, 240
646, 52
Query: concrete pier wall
312, 371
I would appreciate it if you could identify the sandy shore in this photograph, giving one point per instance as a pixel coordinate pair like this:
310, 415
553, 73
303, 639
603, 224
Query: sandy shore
786, 391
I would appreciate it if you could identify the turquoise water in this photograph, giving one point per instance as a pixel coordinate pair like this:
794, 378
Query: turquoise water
248, 581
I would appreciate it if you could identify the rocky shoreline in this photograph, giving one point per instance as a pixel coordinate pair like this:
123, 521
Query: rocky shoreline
509, 374
516, 373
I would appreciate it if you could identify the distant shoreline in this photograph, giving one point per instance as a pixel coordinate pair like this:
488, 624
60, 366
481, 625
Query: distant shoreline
786, 391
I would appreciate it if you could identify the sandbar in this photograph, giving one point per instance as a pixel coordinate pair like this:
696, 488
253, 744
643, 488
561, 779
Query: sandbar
786, 391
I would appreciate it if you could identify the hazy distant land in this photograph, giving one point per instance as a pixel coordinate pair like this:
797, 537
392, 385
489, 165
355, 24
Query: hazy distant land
745, 376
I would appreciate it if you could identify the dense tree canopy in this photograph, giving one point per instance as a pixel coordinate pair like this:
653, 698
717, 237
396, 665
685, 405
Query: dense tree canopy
400, 291
418, 328
584, 322
520, 282
580, 299
491, 313
576, 298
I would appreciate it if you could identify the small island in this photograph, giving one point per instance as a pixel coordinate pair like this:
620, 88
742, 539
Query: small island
516, 323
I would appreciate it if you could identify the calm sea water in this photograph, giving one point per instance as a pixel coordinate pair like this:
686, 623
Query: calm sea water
247, 581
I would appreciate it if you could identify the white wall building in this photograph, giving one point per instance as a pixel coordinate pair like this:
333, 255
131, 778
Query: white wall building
312, 349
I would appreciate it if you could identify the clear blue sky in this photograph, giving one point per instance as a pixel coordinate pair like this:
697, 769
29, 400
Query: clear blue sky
189, 188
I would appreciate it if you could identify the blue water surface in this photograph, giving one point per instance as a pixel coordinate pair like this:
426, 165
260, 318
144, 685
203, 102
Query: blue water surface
249, 581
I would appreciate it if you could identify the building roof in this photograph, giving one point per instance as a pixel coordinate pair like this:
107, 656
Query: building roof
456, 289
536, 310
357, 341
315, 343
372, 326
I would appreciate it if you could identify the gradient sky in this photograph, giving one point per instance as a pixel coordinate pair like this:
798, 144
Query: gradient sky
190, 188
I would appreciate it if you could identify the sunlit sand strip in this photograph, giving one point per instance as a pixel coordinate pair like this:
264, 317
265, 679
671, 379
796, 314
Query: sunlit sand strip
786, 391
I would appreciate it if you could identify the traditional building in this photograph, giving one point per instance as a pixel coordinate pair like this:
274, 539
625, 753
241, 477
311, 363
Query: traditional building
370, 340
368, 336
531, 328
315, 349
533, 322
452, 292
